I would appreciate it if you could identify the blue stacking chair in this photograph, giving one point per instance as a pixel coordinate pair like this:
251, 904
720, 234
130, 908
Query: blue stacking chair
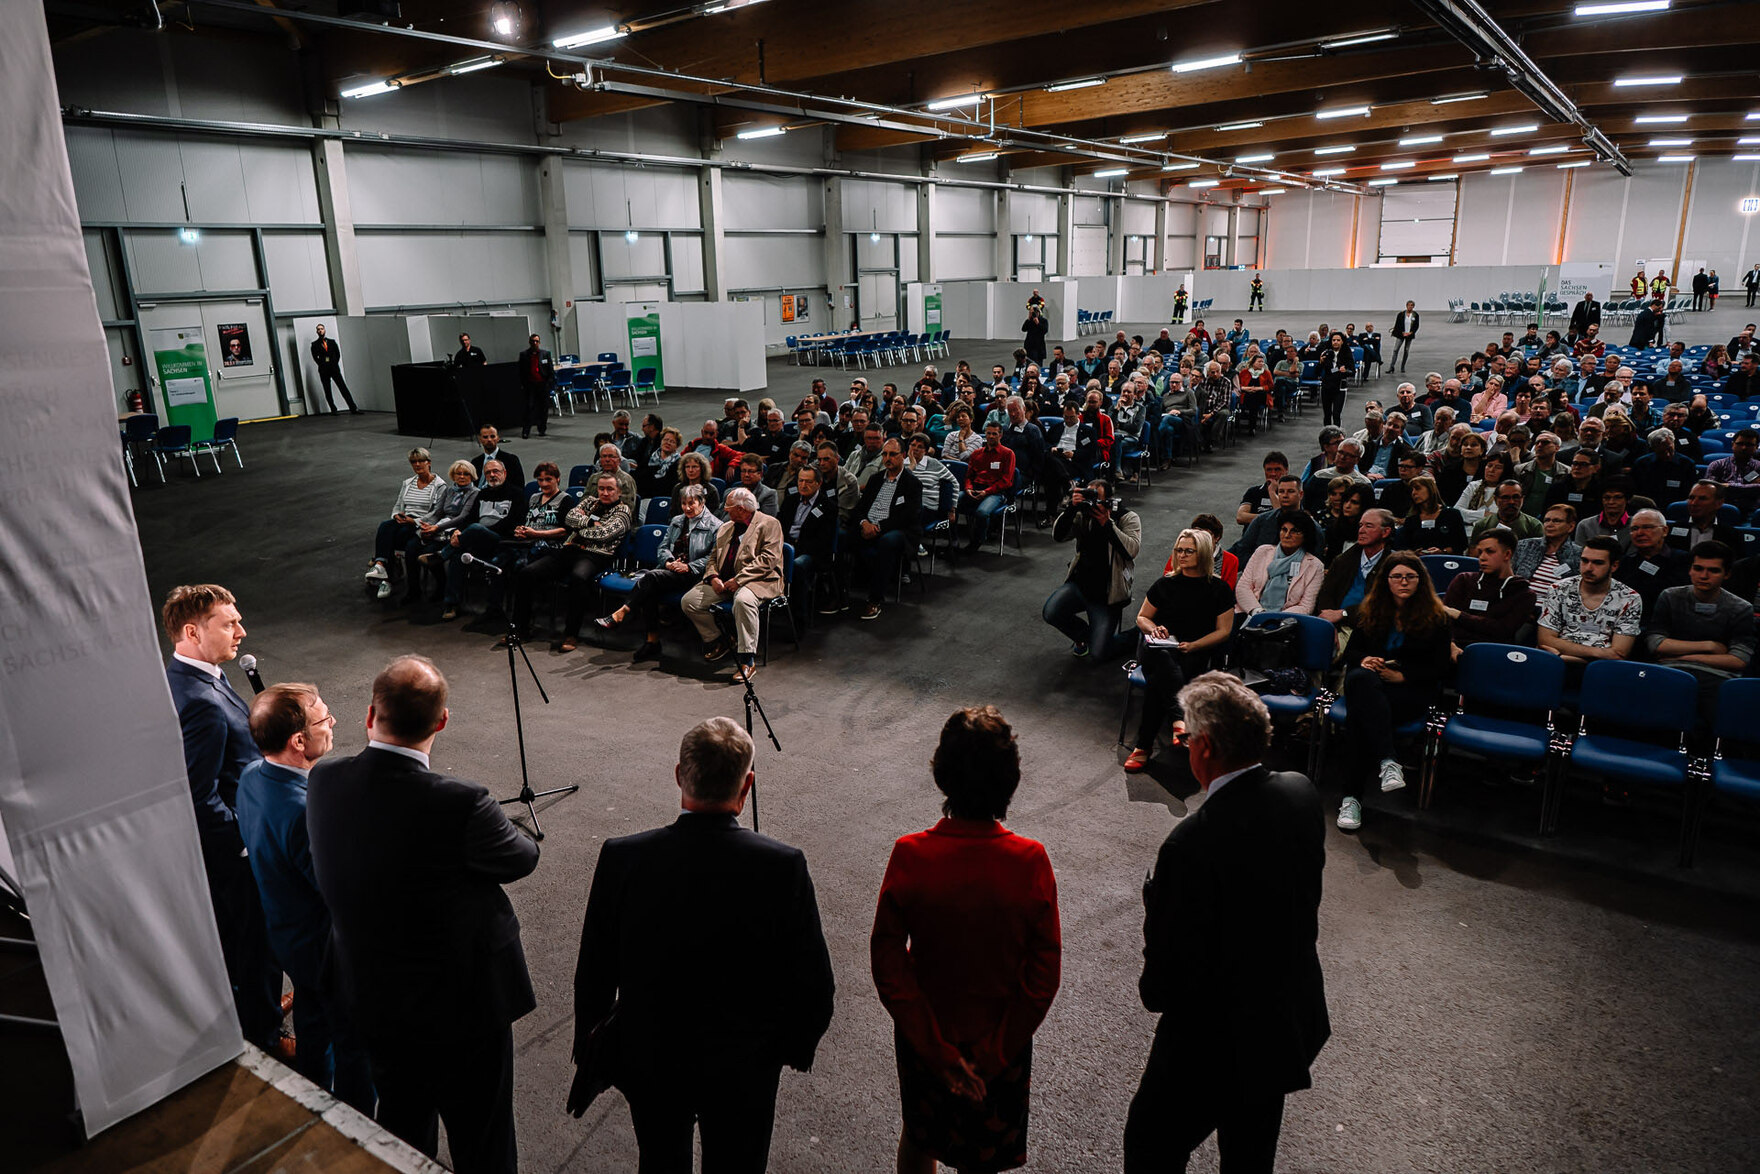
772, 606
1315, 650
136, 431
1735, 778
577, 477
608, 357
645, 382
1727, 513
618, 384
1310, 377
1444, 567
1338, 717
1637, 699
225, 436
1135, 450
173, 442
659, 511
644, 553
1514, 679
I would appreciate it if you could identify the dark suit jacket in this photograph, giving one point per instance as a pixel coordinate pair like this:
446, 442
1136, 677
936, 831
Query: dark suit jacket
1233, 913
411, 865
819, 528
272, 822
906, 511
516, 474
702, 901
217, 742
325, 352
1404, 323
546, 368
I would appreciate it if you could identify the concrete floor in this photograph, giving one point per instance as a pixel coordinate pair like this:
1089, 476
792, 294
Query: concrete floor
1493, 1008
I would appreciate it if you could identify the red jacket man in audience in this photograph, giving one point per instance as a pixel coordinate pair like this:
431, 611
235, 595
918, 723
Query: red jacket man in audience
989, 481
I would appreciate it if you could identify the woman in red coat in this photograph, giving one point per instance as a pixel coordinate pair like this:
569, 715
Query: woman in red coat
967, 954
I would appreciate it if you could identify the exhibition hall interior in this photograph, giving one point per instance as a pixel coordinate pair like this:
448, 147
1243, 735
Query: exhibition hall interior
857, 586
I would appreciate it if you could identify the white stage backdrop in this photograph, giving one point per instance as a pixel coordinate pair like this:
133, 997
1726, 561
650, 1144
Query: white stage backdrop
92, 788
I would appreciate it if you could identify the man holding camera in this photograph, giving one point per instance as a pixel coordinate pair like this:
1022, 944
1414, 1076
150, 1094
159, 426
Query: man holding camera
1107, 538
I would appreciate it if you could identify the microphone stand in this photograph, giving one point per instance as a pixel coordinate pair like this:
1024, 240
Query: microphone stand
526, 794
752, 703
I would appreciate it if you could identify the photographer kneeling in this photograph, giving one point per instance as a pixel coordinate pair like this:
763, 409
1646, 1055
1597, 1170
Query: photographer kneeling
1099, 581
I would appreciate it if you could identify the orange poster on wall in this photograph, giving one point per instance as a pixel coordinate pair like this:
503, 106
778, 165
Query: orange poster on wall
788, 307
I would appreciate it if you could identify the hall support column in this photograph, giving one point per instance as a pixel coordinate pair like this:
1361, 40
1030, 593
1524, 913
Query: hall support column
1158, 250
1115, 235
1234, 234
558, 260
926, 232
838, 279
714, 233
1004, 252
335, 209
1066, 231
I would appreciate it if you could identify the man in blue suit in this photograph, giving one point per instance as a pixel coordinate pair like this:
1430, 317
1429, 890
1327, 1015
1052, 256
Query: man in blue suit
205, 630
293, 728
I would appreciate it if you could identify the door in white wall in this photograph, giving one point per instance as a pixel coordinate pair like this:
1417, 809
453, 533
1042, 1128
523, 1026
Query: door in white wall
1087, 251
1417, 222
241, 351
877, 300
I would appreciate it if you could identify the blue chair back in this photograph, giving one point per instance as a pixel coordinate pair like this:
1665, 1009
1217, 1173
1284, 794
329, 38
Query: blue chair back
578, 475
959, 469
172, 439
225, 430
645, 378
1316, 640
645, 548
531, 488
659, 510
1511, 675
140, 429
1444, 567
1646, 697
608, 356
787, 566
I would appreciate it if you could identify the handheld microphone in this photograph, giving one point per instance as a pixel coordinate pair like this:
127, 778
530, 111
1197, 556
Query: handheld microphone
474, 561
248, 663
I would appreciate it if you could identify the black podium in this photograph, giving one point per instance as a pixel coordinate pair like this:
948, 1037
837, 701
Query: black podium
434, 399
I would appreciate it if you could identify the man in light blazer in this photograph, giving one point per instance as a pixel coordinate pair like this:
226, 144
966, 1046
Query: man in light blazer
746, 570
425, 944
1233, 916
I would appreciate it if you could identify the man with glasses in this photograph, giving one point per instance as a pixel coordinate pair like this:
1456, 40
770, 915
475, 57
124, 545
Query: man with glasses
1613, 521
537, 375
1349, 575
293, 728
1509, 514
1650, 565
1581, 488
1591, 617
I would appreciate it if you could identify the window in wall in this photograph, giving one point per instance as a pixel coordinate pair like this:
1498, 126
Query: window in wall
1417, 223
1215, 252
1029, 258
1136, 253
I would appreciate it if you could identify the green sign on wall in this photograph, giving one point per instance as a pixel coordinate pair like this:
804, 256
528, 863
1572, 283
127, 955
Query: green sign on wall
181, 359
644, 341
932, 307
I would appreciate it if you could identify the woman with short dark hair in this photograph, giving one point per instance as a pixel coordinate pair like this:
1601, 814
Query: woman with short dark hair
967, 956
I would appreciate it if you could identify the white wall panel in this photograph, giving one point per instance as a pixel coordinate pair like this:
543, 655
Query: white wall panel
762, 262
1182, 253
659, 130
1139, 218
1597, 211
752, 201
959, 258
418, 269
1087, 251
482, 106
907, 258
1487, 207
1088, 210
1653, 214
1714, 226
106, 279
873, 254
643, 257
97, 180
120, 175
871, 202
298, 277
1033, 212
964, 210
687, 264
608, 197
164, 264
152, 175
253, 80
407, 187
585, 259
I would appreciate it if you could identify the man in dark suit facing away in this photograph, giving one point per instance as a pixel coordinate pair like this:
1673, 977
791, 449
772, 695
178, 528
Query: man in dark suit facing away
537, 376
675, 911
205, 629
410, 863
1233, 914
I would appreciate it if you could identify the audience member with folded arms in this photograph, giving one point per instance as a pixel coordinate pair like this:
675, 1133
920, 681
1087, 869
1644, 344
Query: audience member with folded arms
967, 954
417, 500
744, 570
1394, 666
1284, 576
1231, 925
1591, 617
1185, 620
293, 728
703, 970
595, 532
1493, 604
1089, 605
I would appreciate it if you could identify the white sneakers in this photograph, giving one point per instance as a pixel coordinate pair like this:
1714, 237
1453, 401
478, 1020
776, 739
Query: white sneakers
377, 573
1393, 775
384, 590
1350, 815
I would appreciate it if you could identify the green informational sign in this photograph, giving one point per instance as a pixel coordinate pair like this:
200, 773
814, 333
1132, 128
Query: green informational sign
181, 359
932, 308
1540, 297
644, 341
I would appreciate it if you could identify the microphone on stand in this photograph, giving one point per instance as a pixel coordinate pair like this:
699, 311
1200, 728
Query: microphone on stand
473, 561
248, 663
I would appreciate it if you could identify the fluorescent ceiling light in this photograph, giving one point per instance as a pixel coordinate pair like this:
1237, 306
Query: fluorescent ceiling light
1343, 112
1111, 172
977, 156
956, 102
1744, 158
1526, 128
1144, 138
1671, 142
1360, 39
368, 90
1265, 158
1439, 178
1754, 117
1471, 158
1381, 183
1557, 149
1202, 183
1747, 140
768, 132
1457, 98
1206, 63
1257, 125
1674, 158
1420, 140
1578, 163
1660, 119
592, 37
1505, 170
1670, 80
1177, 166
1273, 191
1333, 150
1399, 166
1622, 6
473, 66
1325, 171
1083, 84
189, 236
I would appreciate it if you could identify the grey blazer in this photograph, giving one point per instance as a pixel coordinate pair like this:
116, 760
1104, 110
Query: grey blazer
700, 542
1529, 552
